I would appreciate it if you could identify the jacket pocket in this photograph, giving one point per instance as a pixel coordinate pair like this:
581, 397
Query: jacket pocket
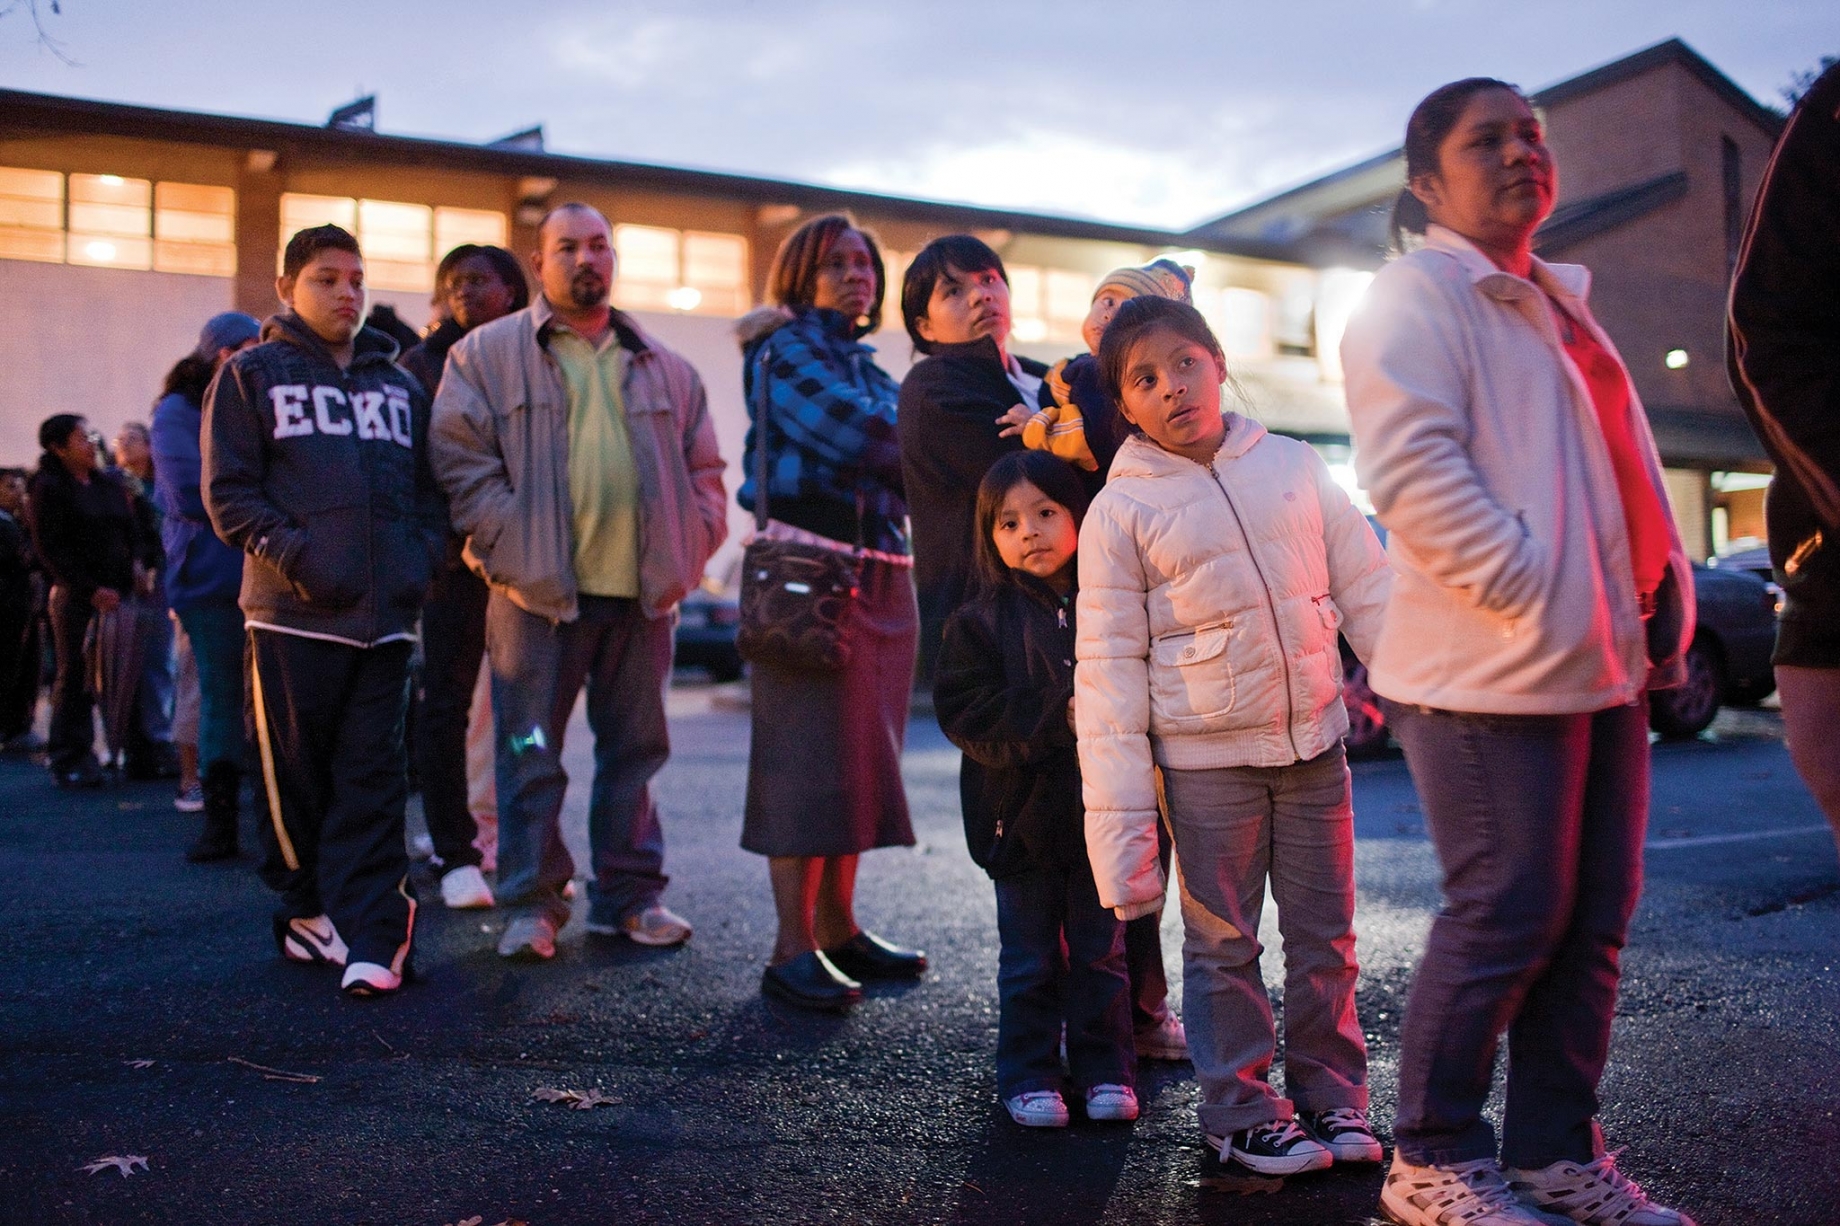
1191, 676
332, 569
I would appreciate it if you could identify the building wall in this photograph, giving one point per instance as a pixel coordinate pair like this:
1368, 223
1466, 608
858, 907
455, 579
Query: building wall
1660, 284
95, 341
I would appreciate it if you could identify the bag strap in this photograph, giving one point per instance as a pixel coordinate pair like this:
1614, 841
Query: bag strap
762, 415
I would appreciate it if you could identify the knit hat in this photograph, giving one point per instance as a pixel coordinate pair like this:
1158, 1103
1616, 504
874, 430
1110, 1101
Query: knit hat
227, 331
1159, 278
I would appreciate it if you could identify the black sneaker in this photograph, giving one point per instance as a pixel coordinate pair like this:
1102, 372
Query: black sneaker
1345, 1133
1279, 1147
82, 775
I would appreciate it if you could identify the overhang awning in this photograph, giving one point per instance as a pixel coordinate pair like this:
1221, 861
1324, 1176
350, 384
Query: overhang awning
1696, 438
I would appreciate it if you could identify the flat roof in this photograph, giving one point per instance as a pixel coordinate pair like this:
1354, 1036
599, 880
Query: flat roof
24, 113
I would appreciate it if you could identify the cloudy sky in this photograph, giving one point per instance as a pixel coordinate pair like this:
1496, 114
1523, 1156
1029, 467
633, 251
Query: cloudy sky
1129, 110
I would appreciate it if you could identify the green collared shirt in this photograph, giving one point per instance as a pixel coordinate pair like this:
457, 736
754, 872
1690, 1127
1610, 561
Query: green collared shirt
603, 480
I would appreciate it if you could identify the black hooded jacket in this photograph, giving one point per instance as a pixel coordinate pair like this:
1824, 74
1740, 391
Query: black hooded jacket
87, 532
946, 424
321, 477
1783, 354
428, 359
1001, 692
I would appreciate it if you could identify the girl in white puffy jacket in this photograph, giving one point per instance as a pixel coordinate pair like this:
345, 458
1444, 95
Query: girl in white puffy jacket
1216, 568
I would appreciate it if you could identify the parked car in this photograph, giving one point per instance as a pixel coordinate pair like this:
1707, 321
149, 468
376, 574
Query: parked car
1729, 659
706, 625
1727, 662
1755, 559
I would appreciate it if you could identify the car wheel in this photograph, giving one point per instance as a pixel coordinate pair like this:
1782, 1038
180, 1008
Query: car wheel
1688, 710
1366, 721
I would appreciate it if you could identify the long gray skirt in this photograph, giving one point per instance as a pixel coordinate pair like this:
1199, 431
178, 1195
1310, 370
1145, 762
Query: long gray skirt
824, 762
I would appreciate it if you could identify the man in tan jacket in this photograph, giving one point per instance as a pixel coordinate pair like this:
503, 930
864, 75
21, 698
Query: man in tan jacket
580, 461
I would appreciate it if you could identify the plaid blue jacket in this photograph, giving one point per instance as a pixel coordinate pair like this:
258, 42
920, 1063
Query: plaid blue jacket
830, 433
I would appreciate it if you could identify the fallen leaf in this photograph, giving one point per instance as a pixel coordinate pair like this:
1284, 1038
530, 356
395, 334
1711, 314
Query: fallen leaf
124, 1164
138, 1063
579, 1100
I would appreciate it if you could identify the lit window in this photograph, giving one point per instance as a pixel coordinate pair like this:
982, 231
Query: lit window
648, 267
111, 221
301, 212
194, 229
1069, 300
1242, 319
398, 239
716, 269
665, 270
456, 227
895, 263
31, 215
398, 243
1027, 321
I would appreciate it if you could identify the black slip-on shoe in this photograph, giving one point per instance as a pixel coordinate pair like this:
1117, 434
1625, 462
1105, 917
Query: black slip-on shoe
867, 956
810, 981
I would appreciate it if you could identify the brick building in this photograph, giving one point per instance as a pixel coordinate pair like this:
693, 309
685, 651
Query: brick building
1659, 157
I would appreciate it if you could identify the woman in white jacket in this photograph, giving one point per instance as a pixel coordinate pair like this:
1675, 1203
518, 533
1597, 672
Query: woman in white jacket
1216, 567
1541, 590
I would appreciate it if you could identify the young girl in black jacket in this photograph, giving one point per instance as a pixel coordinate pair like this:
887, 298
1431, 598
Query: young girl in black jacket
1004, 696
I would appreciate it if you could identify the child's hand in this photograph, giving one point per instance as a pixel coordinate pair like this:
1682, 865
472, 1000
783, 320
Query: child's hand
1013, 420
1070, 720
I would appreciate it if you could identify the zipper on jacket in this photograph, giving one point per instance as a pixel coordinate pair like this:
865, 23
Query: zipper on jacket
1277, 627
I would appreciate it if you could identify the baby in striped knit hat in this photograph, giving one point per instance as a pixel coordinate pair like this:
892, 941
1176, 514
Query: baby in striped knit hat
1082, 427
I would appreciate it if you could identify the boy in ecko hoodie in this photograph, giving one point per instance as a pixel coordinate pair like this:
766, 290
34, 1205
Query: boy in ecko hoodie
316, 466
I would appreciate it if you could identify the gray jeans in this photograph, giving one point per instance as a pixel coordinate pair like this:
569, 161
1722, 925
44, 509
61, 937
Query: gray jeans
538, 670
1538, 822
1234, 828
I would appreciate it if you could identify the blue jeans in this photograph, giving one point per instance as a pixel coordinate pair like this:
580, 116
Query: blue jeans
538, 670
1538, 822
1236, 827
1039, 986
216, 632
153, 699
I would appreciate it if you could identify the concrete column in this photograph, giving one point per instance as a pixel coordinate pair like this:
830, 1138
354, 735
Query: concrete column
258, 234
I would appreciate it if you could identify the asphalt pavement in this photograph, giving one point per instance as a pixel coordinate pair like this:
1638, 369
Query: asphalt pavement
144, 1014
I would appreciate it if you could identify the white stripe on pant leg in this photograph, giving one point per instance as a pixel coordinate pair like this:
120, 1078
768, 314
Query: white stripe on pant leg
402, 951
268, 763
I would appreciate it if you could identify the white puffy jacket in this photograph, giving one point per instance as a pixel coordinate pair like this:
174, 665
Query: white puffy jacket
1210, 599
1480, 445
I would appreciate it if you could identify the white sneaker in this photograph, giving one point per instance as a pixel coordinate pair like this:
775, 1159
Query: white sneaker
656, 925
465, 888
310, 940
1168, 1040
190, 799
529, 937
1596, 1194
1111, 1102
1461, 1194
1038, 1109
369, 979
